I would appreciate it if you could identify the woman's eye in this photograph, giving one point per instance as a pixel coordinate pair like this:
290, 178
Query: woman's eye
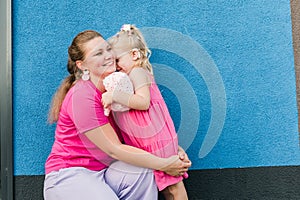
117, 60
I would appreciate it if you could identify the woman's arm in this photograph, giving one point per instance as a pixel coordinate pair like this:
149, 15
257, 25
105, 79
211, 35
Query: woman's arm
106, 139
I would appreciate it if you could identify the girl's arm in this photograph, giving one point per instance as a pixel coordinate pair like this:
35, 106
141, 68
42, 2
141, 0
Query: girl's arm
140, 100
182, 155
107, 140
140, 78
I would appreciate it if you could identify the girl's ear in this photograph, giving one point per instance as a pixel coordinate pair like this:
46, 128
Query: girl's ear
136, 55
79, 64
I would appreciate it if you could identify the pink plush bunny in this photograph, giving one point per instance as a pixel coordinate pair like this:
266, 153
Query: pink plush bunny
118, 81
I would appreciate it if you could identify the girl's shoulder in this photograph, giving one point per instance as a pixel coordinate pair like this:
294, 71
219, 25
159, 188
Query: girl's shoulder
140, 77
139, 71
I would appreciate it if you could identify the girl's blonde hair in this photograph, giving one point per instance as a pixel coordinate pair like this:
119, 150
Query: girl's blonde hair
76, 52
129, 38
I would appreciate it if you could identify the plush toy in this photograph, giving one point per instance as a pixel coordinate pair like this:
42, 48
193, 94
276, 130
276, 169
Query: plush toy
118, 81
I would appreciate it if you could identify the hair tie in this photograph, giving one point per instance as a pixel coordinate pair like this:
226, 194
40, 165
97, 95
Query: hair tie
126, 27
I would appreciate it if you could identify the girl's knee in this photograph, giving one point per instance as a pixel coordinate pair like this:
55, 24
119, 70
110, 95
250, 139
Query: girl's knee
175, 192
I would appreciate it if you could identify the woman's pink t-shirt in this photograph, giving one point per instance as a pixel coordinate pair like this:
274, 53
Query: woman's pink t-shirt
81, 111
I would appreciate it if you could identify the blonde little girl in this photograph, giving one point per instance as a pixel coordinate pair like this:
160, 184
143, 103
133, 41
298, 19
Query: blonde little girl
146, 123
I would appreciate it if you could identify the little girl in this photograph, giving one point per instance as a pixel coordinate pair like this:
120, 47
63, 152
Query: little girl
148, 124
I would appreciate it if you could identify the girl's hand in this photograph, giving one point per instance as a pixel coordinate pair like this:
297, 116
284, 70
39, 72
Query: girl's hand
107, 99
176, 167
184, 157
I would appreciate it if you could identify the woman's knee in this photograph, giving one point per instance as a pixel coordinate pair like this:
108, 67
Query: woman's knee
128, 181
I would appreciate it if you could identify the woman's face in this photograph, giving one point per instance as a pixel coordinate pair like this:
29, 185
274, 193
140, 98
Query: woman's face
99, 59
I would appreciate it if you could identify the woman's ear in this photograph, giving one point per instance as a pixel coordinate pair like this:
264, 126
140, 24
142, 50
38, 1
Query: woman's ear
79, 64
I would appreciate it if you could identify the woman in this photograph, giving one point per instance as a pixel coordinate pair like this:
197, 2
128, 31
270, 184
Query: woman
85, 140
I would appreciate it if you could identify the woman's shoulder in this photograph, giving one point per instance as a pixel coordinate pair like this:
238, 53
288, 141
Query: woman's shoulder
83, 88
85, 85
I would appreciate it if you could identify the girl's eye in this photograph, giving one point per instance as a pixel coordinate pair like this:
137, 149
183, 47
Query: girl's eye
99, 54
109, 48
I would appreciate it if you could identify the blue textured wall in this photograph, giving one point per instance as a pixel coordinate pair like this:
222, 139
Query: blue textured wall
225, 68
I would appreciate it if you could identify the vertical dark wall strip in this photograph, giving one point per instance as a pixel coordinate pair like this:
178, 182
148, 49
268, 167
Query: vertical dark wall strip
6, 100
295, 9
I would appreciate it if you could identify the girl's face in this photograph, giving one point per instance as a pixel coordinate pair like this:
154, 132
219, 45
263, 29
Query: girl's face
99, 59
125, 61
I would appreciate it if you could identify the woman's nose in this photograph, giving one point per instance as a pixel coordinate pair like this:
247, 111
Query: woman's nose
108, 55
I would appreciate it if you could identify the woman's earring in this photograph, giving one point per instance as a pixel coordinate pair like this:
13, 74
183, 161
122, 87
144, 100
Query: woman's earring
85, 76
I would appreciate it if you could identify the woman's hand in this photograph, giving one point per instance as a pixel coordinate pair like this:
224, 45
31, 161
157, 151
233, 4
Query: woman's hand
176, 167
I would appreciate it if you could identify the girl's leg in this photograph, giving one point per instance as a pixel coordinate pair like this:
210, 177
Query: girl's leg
175, 192
77, 183
131, 182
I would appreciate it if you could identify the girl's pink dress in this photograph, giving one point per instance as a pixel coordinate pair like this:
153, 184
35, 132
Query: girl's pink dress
151, 130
